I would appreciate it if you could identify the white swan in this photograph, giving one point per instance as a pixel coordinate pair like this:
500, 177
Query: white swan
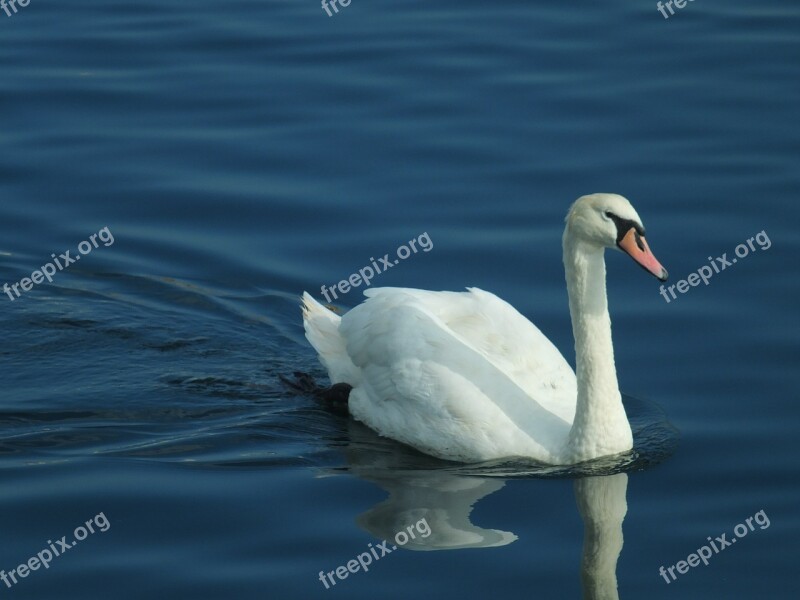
463, 376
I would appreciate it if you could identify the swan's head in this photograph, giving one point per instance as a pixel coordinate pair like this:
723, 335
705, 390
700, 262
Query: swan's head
609, 220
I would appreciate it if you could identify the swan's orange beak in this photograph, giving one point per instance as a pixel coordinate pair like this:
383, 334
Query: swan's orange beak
636, 247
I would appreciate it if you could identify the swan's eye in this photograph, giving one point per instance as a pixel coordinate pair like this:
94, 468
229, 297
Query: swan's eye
609, 214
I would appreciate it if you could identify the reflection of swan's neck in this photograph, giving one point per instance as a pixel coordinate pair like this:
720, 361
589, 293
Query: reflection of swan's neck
600, 427
602, 505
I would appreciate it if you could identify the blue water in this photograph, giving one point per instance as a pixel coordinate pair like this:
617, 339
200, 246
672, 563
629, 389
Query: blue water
240, 153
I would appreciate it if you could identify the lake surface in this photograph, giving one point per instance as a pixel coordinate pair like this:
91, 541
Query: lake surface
241, 153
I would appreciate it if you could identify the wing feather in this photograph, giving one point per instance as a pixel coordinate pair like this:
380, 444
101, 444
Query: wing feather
457, 374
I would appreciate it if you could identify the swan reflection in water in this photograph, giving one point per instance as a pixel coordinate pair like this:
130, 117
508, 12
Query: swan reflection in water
421, 489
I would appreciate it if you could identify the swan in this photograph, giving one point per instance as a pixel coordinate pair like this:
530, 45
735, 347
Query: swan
464, 377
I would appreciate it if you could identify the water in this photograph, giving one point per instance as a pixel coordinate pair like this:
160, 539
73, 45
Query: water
241, 153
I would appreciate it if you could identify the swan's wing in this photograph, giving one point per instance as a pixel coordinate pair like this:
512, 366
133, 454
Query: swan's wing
517, 347
438, 373
496, 330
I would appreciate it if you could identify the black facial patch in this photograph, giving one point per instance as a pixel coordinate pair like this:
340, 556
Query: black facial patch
624, 226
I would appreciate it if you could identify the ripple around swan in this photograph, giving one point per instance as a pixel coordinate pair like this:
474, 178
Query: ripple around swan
244, 152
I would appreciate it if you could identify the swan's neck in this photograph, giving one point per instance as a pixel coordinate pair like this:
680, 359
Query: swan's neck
600, 427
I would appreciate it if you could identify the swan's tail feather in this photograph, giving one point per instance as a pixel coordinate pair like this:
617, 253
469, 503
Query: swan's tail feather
322, 332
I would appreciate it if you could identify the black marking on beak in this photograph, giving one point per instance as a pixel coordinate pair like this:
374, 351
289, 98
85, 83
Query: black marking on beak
624, 226
638, 240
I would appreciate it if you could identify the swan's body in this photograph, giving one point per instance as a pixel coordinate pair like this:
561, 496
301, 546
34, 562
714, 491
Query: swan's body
464, 376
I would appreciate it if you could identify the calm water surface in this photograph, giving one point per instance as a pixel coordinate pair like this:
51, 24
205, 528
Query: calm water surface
240, 153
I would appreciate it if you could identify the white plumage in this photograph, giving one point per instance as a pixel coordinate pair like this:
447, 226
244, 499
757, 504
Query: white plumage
464, 376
